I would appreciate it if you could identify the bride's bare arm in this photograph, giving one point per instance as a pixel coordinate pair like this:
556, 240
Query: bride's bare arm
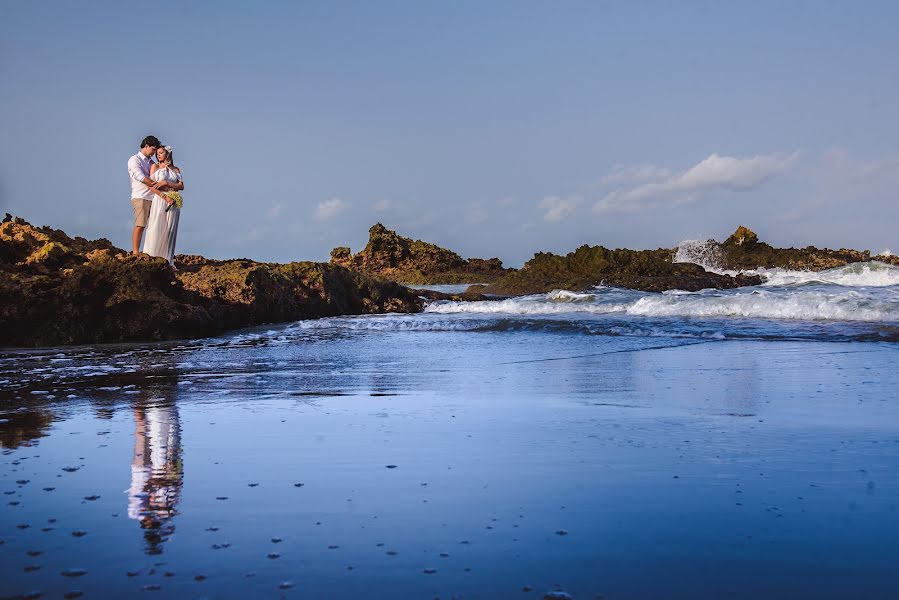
176, 185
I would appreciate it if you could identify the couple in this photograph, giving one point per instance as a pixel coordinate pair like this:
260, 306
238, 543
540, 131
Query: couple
155, 197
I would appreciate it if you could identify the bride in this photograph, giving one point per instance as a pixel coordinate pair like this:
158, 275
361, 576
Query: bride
162, 228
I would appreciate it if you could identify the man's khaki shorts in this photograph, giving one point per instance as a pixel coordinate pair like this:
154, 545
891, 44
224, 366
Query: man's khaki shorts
141, 211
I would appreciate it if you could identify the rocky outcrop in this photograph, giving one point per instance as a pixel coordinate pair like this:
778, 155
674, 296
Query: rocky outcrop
57, 290
242, 291
743, 250
411, 261
588, 266
656, 271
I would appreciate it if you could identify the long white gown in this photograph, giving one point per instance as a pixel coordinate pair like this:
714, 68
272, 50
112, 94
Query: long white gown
162, 228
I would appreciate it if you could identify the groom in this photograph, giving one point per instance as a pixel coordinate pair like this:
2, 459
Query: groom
141, 196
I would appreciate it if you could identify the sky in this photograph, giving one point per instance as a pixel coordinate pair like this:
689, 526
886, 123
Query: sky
492, 128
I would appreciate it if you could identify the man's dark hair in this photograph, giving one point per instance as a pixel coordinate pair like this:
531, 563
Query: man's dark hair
150, 140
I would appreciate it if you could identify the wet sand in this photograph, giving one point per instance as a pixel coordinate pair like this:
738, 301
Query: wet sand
420, 464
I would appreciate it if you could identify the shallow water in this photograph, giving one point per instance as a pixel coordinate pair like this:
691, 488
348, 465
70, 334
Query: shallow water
462, 453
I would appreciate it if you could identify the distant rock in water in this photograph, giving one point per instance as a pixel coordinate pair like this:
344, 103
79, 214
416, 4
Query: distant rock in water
402, 259
57, 290
589, 266
743, 250
743, 236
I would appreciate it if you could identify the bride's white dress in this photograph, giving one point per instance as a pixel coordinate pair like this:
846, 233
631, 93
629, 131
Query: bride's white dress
162, 228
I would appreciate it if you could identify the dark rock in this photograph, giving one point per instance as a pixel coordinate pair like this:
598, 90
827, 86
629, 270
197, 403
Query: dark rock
469, 295
411, 261
57, 290
742, 251
588, 266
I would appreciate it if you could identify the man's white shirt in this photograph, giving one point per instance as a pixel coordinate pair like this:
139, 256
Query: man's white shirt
138, 168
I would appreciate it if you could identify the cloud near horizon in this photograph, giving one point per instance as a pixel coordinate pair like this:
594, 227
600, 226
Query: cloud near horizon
477, 214
639, 174
714, 173
557, 208
329, 209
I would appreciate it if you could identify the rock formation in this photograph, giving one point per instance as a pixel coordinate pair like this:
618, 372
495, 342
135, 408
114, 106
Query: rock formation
655, 270
411, 261
588, 266
58, 290
743, 250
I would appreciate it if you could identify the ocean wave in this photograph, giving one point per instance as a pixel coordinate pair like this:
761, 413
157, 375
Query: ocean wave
705, 253
541, 304
868, 274
684, 321
797, 303
566, 296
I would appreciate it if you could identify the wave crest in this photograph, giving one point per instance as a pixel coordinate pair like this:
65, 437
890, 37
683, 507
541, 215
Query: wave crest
795, 303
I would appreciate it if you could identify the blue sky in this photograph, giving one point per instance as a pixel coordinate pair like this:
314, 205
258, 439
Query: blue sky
493, 128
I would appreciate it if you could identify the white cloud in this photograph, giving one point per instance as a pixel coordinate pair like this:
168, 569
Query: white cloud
639, 174
382, 206
557, 208
477, 214
714, 173
329, 209
878, 167
506, 202
275, 211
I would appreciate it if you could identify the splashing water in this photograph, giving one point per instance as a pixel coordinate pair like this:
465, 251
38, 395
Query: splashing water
705, 253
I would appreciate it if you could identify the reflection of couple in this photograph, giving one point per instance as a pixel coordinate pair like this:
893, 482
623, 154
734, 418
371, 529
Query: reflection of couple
155, 199
157, 474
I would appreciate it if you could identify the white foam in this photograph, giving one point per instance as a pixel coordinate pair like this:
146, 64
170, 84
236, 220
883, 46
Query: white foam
868, 274
773, 302
705, 253
566, 296
800, 304
553, 303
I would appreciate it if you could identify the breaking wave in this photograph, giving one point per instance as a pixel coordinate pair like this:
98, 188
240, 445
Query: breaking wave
833, 302
801, 305
869, 274
705, 253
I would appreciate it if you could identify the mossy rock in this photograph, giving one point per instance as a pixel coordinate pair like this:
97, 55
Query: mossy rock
743, 236
52, 255
399, 258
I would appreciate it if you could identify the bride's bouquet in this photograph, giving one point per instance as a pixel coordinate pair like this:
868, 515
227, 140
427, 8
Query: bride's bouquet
175, 197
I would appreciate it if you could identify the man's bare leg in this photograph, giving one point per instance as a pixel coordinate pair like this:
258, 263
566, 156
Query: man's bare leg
135, 240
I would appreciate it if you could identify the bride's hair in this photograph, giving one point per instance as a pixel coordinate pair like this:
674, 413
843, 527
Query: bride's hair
169, 157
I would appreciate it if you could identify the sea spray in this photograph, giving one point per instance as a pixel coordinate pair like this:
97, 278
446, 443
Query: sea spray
705, 253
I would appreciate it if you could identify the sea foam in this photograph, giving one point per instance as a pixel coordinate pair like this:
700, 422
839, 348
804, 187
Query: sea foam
829, 302
800, 304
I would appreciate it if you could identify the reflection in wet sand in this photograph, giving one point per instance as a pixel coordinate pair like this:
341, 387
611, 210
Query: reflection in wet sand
23, 427
157, 472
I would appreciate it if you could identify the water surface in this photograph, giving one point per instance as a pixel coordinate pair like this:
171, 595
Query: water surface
476, 450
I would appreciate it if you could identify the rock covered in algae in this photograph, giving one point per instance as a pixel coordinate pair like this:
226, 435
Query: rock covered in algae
57, 290
403, 259
589, 266
743, 250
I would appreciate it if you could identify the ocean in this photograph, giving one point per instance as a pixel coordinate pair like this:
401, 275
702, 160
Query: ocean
602, 443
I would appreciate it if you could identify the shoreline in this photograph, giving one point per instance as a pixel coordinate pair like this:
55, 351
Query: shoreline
60, 291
